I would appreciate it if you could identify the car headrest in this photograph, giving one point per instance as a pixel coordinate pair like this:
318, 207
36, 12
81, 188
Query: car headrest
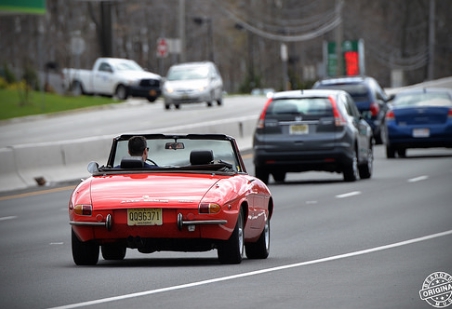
132, 162
200, 157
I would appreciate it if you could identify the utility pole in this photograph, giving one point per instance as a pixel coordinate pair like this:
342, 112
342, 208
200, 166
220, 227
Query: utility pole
182, 29
339, 35
431, 41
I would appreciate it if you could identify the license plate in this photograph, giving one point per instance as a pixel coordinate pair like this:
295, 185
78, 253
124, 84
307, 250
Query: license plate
144, 216
421, 132
299, 129
152, 93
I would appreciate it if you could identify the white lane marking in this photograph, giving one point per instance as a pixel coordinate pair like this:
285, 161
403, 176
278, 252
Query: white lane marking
416, 179
348, 194
254, 273
8, 218
56, 243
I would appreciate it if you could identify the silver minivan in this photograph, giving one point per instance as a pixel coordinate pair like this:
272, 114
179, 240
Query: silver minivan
193, 82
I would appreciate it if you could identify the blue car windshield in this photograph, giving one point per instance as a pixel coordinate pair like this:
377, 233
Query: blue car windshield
422, 99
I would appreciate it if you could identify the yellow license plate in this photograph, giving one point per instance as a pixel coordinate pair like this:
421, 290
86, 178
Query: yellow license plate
144, 216
152, 93
299, 129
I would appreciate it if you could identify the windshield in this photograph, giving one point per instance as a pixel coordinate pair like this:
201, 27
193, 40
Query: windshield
188, 73
162, 152
422, 99
127, 66
358, 92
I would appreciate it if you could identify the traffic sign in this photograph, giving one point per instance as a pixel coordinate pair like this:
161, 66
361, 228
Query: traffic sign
162, 48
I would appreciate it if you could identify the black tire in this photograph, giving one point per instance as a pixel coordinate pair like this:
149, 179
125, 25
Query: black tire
151, 99
84, 253
401, 152
261, 248
209, 104
177, 106
231, 250
220, 102
113, 252
351, 169
262, 174
167, 106
390, 152
122, 93
279, 176
77, 88
365, 170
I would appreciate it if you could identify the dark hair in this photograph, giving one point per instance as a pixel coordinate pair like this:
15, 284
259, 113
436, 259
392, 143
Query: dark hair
137, 144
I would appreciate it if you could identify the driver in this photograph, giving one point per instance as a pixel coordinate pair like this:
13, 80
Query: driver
138, 147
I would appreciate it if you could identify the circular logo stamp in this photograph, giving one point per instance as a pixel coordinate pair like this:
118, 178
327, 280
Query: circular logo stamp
437, 290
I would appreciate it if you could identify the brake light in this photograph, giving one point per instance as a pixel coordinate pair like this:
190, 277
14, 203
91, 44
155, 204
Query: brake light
209, 208
339, 119
390, 115
374, 109
449, 114
83, 210
261, 121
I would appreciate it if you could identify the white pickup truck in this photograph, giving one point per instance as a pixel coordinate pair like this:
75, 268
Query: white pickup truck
114, 77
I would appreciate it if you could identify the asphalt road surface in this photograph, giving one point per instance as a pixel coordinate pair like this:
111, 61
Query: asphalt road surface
368, 244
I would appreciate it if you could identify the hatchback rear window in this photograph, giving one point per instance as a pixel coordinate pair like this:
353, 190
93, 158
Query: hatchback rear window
319, 107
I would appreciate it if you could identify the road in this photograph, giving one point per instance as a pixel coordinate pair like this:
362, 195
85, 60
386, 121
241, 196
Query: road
368, 244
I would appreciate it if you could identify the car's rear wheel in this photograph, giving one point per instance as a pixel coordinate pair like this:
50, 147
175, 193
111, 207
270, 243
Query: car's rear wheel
121, 92
390, 152
351, 169
84, 253
77, 88
401, 152
113, 252
231, 250
261, 248
209, 104
365, 170
262, 174
279, 176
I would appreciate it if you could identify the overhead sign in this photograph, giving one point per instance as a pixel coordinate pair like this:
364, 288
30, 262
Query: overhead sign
23, 6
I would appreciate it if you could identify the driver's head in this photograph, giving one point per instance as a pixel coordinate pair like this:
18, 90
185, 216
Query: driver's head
138, 146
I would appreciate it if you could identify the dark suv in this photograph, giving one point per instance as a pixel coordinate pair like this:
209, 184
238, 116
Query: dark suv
369, 97
312, 130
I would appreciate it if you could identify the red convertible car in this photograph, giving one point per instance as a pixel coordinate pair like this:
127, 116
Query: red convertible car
192, 194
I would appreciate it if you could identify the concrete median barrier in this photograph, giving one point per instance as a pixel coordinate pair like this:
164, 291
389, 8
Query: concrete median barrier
9, 177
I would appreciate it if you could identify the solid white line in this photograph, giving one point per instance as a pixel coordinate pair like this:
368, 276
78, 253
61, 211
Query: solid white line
8, 218
416, 179
348, 194
253, 273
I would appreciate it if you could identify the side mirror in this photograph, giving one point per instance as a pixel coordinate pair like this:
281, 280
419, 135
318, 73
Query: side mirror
93, 167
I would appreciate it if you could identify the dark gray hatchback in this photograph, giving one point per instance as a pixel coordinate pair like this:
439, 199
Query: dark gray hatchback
312, 130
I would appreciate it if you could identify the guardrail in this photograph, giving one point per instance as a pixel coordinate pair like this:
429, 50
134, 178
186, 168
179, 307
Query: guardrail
40, 164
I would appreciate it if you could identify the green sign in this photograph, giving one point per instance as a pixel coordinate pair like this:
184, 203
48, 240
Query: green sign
23, 6
351, 60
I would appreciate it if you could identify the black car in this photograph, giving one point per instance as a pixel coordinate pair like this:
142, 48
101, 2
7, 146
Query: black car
368, 95
312, 130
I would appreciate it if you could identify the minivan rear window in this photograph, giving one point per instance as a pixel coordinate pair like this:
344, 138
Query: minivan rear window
320, 107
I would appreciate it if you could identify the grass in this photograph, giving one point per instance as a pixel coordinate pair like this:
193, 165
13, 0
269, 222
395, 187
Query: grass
12, 103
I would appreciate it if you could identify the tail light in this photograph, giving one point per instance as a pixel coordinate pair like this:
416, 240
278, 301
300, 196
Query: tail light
374, 109
390, 115
83, 210
339, 119
449, 114
209, 208
261, 121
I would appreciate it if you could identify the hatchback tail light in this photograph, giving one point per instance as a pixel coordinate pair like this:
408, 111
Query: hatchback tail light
449, 114
374, 109
339, 119
390, 115
261, 121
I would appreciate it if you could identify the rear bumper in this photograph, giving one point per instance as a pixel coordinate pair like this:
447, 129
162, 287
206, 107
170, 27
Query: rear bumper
321, 160
402, 137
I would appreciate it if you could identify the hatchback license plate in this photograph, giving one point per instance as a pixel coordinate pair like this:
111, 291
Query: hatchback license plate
144, 216
421, 132
299, 129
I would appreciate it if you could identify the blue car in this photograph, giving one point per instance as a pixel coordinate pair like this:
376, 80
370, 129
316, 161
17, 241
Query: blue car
418, 118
